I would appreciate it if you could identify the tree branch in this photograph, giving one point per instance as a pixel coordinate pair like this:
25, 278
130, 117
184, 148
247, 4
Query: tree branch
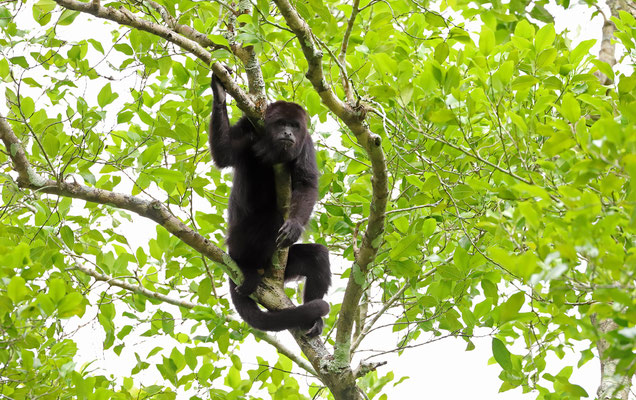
151, 209
366, 367
248, 57
342, 57
138, 289
125, 17
354, 119
367, 327
184, 30
270, 295
614, 383
154, 210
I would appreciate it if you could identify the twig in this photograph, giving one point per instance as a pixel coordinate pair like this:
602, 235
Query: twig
138, 289
124, 16
365, 330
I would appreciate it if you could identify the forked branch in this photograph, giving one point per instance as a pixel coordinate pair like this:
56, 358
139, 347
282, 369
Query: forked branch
125, 17
354, 119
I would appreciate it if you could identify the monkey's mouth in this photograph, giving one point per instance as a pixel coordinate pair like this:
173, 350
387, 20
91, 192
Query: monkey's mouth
286, 142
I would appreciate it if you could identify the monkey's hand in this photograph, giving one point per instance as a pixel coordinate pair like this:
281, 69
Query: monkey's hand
218, 91
289, 233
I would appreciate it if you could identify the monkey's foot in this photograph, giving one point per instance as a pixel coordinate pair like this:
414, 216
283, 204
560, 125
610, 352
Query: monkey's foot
316, 328
247, 287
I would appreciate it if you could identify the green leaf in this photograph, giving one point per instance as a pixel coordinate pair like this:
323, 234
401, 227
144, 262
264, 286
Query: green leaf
124, 48
518, 121
5, 71
501, 354
559, 142
461, 259
16, 289
604, 67
27, 106
581, 50
524, 29
190, 358
106, 96
57, 289
570, 108
151, 154
510, 309
67, 18
462, 191
415, 181
435, 20
545, 37
486, 40
72, 304
20, 60
524, 82
97, 45
546, 58
219, 39
141, 256
67, 236
51, 144
539, 12
167, 175
402, 224
428, 228
441, 116
384, 63
42, 11
406, 246
441, 52
450, 272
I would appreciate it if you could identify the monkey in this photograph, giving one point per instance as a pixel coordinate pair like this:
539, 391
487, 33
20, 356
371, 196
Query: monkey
256, 227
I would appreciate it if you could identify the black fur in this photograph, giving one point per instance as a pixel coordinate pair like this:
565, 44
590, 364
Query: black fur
255, 225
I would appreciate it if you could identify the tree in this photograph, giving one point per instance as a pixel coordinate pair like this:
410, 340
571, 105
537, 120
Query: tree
479, 180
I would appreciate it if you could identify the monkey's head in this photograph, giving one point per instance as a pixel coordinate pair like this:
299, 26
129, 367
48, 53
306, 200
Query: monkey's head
285, 131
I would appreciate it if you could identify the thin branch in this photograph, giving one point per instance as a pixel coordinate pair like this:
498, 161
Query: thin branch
342, 57
125, 17
366, 367
28, 178
388, 304
138, 289
282, 349
151, 209
475, 156
184, 30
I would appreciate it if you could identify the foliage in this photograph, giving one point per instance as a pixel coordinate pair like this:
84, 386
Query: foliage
511, 208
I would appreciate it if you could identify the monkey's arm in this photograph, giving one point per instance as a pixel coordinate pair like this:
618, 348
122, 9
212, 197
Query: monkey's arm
304, 177
219, 136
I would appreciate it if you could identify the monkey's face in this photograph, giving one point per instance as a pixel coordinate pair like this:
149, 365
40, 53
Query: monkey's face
285, 130
284, 133
282, 141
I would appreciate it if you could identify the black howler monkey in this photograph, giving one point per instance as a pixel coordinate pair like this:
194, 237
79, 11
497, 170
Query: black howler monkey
255, 225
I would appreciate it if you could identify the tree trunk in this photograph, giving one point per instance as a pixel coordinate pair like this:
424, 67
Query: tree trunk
614, 385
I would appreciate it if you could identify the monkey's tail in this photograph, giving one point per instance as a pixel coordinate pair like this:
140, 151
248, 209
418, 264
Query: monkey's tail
303, 316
